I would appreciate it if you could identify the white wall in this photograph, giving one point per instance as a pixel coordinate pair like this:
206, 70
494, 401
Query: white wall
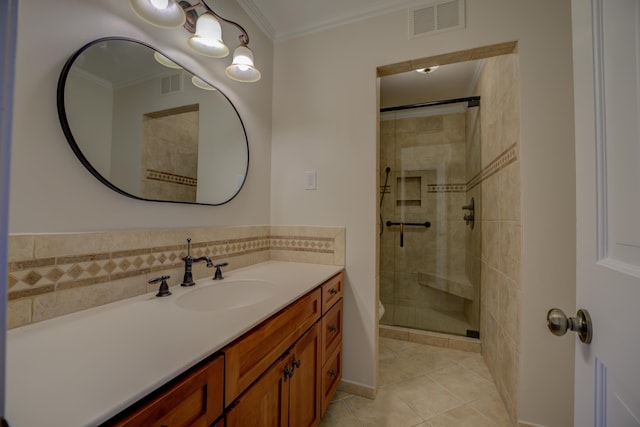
90, 119
324, 119
50, 190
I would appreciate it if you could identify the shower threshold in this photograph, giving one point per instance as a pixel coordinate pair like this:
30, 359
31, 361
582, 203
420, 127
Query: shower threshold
435, 339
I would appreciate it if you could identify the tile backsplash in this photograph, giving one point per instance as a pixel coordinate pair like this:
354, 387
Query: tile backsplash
51, 275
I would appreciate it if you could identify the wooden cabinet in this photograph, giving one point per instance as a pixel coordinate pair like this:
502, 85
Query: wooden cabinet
331, 355
288, 394
192, 400
282, 373
331, 292
304, 381
249, 356
266, 403
306, 367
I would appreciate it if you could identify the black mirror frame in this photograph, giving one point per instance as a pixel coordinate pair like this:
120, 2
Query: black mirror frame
66, 129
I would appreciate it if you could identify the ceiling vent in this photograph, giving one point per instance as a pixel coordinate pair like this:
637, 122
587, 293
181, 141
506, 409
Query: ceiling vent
436, 17
171, 84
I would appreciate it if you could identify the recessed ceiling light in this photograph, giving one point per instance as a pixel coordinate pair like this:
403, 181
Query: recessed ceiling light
427, 70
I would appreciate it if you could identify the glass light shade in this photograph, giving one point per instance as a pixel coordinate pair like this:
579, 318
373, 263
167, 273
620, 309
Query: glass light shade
242, 68
165, 61
208, 37
198, 82
161, 13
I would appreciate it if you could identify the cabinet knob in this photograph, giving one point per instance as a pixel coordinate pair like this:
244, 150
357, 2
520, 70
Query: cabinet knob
333, 291
288, 372
333, 328
294, 362
332, 373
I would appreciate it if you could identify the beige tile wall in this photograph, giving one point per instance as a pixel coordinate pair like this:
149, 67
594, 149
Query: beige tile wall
496, 188
55, 274
170, 154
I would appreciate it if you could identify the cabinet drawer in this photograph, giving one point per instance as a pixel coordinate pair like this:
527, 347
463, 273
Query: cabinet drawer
195, 400
249, 356
331, 375
331, 330
331, 292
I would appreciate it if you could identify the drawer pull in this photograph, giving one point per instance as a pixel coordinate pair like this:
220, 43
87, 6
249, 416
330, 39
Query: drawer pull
288, 372
332, 373
294, 362
333, 291
333, 328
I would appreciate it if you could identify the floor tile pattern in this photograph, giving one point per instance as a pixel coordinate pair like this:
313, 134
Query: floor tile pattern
423, 386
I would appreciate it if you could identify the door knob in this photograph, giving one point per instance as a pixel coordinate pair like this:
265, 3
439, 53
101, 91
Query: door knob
558, 323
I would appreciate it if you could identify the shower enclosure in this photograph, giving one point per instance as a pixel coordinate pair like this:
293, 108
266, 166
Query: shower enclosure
429, 242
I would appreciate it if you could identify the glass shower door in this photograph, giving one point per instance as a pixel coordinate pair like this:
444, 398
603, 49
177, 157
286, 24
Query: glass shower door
429, 247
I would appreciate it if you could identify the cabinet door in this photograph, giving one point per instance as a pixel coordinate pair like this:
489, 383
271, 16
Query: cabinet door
266, 402
194, 401
304, 405
248, 357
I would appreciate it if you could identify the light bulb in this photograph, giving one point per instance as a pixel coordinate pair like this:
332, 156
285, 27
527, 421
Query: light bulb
242, 68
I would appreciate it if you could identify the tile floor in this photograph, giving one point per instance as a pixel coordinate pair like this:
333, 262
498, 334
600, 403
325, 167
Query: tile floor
423, 386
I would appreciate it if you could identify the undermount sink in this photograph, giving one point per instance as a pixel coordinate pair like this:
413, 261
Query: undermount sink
226, 295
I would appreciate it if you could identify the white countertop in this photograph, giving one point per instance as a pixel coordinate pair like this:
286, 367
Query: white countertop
83, 368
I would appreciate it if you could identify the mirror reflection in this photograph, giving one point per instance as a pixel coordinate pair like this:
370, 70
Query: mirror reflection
149, 129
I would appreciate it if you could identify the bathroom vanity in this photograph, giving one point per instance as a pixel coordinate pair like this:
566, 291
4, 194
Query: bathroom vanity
266, 351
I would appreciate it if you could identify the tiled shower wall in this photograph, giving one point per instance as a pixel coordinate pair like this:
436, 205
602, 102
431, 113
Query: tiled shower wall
170, 155
51, 275
422, 283
496, 188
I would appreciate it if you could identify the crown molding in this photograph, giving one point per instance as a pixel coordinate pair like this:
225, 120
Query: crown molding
266, 26
258, 17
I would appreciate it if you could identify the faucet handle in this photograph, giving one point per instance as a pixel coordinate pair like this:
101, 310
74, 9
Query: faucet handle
164, 287
218, 274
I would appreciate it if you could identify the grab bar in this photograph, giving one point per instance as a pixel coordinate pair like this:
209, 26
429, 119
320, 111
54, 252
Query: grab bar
425, 224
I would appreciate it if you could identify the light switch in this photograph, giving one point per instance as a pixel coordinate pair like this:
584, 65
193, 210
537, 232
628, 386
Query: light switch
310, 180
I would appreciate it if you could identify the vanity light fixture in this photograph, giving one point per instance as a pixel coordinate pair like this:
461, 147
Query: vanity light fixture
199, 83
165, 61
206, 29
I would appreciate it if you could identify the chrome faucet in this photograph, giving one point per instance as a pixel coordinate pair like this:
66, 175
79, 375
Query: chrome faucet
188, 263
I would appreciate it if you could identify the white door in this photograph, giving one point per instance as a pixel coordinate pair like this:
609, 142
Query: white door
606, 45
8, 21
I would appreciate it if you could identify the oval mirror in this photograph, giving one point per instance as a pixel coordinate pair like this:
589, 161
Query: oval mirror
148, 128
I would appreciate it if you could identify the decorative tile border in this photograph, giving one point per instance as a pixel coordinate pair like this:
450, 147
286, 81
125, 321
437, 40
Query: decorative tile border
507, 157
93, 269
446, 188
306, 244
33, 277
172, 178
